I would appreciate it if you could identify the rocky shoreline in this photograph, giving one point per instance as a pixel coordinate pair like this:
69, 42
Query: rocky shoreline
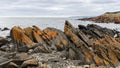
88, 46
108, 17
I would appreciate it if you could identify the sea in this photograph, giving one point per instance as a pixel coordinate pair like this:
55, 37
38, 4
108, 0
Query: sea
44, 22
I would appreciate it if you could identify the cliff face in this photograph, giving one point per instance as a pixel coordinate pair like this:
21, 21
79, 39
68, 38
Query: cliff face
107, 17
90, 44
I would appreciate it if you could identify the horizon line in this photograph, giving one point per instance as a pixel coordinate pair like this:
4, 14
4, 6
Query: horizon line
35, 16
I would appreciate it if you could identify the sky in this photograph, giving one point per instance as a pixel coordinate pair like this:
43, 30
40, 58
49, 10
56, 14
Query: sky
57, 7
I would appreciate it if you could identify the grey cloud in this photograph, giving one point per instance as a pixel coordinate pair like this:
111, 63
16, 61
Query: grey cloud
103, 1
57, 7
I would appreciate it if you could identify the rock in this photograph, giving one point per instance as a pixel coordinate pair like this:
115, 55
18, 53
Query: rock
107, 17
3, 41
99, 31
37, 38
86, 45
112, 47
4, 61
94, 32
4, 29
28, 32
9, 55
5, 48
22, 41
42, 48
84, 38
71, 34
72, 54
43, 66
97, 50
98, 61
31, 63
12, 65
21, 56
81, 50
33, 37
57, 38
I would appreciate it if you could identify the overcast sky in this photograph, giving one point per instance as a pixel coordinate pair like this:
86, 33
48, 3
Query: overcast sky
57, 7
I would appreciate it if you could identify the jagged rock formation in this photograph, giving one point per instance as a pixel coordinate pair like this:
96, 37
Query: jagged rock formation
102, 48
41, 41
90, 44
107, 17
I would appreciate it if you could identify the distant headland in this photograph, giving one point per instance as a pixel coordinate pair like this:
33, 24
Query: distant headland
107, 17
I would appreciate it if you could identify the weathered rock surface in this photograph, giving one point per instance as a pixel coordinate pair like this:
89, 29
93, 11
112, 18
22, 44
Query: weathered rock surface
21, 60
86, 46
102, 48
40, 41
4, 41
30, 63
107, 17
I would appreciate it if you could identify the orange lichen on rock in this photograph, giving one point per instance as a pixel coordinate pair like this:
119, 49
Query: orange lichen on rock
28, 32
50, 33
109, 40
88, 55
37, 38
97, 60
90, 44
19, 36
37, 30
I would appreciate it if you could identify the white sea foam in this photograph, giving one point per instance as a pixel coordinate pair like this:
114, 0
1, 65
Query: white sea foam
4, 33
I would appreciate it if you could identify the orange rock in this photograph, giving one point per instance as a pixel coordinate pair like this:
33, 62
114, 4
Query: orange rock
115, 42
50, 33
106, 62
37, 30
37, 38
98, 60
31, 62
28, 32
112, 56
107, 52
88, 54
18, 35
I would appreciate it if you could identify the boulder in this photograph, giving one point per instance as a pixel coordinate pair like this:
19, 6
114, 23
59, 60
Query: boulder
4, 41
21, 39
21, 56
4, 61
43, 48
81, 49
30, 63
99, 31
12, 65
56, 37
24, 38
4, 29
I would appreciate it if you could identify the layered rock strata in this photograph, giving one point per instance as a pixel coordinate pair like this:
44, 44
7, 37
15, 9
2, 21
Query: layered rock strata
90, 44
